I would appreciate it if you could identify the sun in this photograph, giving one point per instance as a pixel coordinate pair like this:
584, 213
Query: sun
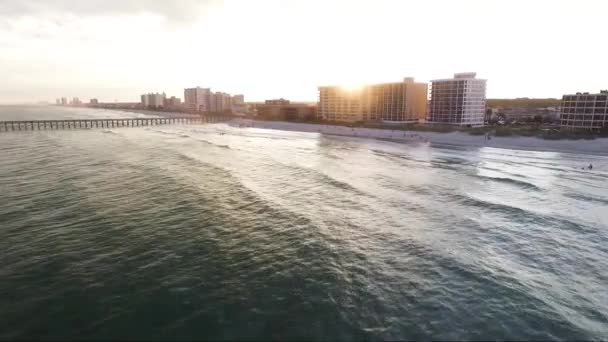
353, 86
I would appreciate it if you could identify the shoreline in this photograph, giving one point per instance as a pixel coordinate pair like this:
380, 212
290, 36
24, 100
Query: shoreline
152, 112
598, 146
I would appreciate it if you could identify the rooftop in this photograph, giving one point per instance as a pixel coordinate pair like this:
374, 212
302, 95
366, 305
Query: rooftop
460, 76
602, 92
407, 80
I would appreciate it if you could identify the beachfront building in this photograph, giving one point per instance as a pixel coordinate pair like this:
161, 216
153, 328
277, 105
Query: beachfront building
239, 107
458, 101
282, 109
153, 100
238, 100
197, 98
280, 101
584, 110
172, 102
204, 100
390, 102
220, 102
340, 104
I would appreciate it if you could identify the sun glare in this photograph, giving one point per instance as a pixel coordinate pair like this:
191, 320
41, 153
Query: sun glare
353, 86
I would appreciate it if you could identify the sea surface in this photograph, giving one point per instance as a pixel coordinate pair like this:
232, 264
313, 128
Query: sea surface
220, 232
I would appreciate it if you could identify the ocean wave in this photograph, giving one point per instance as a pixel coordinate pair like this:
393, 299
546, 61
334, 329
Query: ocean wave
521, 215
518, 183
397, 156
183, 135
174, 134
445, 166
166, 132
483, 167
213, 144
497, 207
588, 198
323, 179
452, 161
426, 189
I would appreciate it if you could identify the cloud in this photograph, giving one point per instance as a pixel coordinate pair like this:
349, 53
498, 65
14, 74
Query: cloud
181, 11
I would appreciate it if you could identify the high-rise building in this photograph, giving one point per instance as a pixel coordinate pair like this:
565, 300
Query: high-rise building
458, 101
64, 101
197, 98
239, 106
391, 102
398, 102
204, 100
226, 100
76, 102
172, 102
220, 103
340, 104
93, 102
280, 101
153, 100
282, 109
584, 110
238, 100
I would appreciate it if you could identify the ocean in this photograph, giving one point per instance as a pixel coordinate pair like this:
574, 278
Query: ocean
224, 232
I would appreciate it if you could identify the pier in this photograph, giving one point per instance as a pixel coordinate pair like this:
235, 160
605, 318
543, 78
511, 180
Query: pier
40, 125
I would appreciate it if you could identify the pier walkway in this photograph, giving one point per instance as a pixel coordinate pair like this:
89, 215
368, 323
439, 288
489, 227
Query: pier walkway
40, 125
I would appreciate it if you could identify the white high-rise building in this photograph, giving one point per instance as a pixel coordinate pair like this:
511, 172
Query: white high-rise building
153, 100
220, 102
224, 102
204, 100
238, 100
197, 98
238, 105
458, 101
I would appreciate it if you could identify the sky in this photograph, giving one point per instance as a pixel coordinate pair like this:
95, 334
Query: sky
115, 50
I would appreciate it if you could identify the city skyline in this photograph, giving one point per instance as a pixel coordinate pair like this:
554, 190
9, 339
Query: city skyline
270, 49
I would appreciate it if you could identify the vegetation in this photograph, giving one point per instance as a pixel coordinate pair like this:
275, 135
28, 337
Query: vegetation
523, 102
539, 131
535, 127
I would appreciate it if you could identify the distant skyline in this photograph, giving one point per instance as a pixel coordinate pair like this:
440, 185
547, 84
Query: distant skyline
120, 49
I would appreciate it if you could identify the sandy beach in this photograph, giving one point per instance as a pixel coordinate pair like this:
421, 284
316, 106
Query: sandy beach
598, 146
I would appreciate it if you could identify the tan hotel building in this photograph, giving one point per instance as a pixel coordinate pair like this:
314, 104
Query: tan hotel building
391, 102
